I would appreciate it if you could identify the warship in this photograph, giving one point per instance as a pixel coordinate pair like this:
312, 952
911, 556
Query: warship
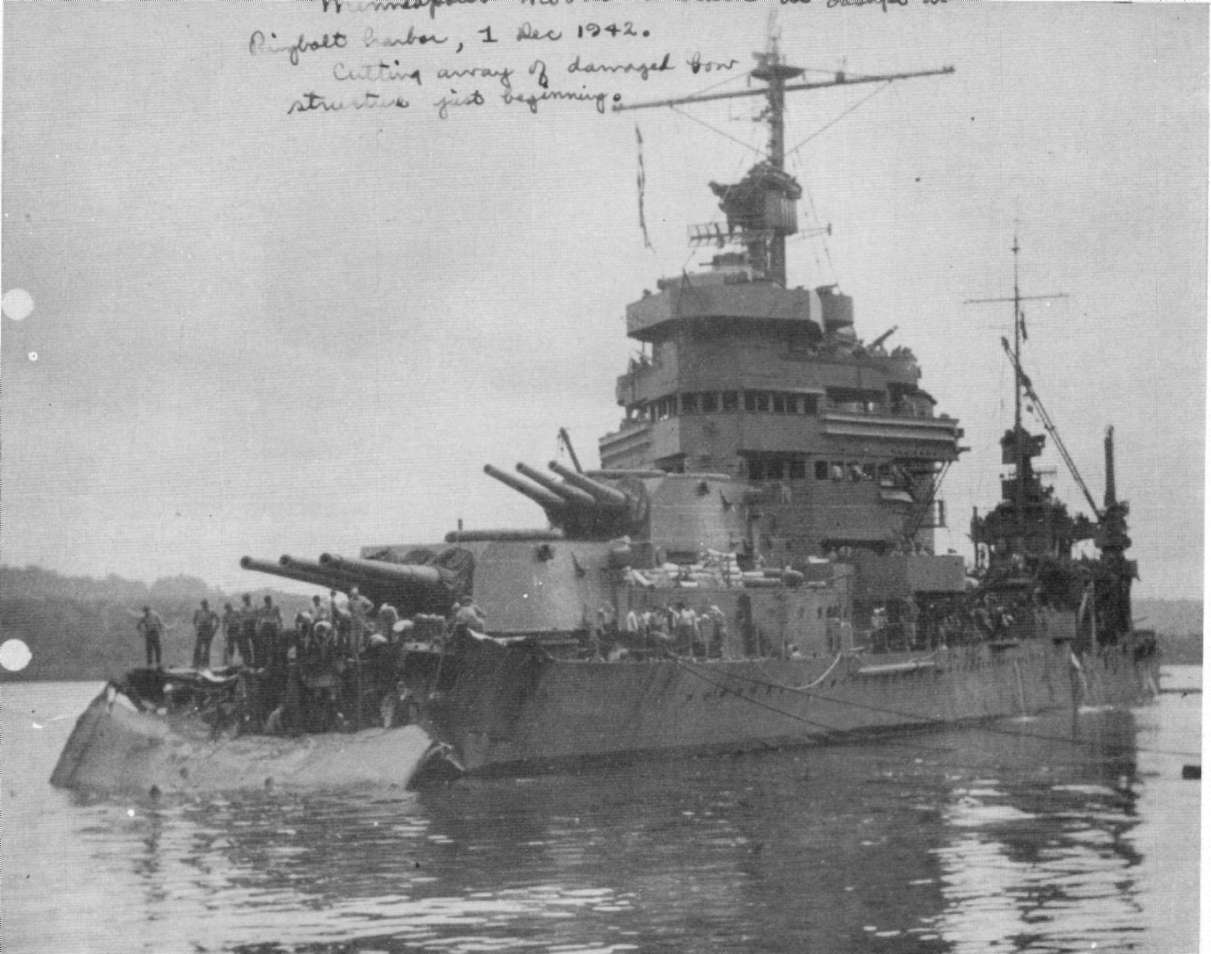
751, 566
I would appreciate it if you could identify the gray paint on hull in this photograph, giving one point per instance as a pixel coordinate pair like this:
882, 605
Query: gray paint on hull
578, 710
512, 711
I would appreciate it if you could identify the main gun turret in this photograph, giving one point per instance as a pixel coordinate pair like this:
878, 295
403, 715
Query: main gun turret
408, 586
579, 505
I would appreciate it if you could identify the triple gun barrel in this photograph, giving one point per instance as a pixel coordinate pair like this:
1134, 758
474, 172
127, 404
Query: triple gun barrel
576, 500
376, 578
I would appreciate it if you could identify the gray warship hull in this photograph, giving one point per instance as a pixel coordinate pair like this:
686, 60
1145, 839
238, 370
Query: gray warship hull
511, 711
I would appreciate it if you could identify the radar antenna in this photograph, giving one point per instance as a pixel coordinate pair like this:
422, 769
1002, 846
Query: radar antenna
770, 177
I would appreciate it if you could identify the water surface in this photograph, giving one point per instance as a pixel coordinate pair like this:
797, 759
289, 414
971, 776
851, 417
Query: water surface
1051, 834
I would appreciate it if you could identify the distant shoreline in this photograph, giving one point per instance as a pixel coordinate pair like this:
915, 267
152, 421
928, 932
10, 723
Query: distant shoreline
81, 629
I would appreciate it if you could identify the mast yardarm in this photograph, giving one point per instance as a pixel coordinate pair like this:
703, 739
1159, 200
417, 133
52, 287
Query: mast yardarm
762, 206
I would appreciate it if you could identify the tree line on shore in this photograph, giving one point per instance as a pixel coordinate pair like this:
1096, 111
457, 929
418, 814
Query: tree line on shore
84, 628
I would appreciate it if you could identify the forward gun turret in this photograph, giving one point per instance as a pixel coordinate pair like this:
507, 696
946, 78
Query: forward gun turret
429, 578
291, 572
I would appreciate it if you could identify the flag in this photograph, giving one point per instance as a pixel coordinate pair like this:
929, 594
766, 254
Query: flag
1022, 324
641, 182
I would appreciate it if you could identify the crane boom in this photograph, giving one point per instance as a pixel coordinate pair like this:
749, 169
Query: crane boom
1049, 424
841, 79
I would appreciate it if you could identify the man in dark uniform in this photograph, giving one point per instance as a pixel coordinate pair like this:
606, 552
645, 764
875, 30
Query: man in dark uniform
231, 633
269, 627
359, 618
205, 623
248, 621
151, 628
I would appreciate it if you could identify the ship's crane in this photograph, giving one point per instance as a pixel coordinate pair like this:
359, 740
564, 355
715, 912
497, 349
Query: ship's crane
565, 439
1049, 424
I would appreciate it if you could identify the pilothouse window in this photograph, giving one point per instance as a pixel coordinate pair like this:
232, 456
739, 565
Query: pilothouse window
775, 466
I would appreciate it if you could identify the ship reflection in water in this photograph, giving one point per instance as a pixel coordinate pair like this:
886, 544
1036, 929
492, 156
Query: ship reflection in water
1039, 834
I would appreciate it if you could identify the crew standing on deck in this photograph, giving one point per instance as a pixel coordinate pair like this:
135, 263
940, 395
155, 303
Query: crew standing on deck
231, 633
205, 623
716, 619
359, 609
269, 626
151, 628
388, 616
467, 614
248, 620
686, 628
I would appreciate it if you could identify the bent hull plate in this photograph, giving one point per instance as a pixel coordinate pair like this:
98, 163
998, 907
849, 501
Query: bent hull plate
116, 748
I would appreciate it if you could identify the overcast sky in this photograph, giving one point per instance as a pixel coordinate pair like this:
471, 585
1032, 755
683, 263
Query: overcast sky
263, 332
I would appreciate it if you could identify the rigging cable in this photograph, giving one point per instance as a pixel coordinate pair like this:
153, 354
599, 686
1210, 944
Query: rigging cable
722, 82
828, 255
720, 132
832, 122
724, 688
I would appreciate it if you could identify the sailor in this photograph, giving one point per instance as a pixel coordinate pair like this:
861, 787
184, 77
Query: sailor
631, 623
318, 610
672, 615
248, 621
607, 619
205, 623
269, 625
388, 616
466, 613
982, 618
911, 621
686, 628
359, 610
718, 624
879, 629
303, 621
342, 625
231, 633
322, 642
151, 628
